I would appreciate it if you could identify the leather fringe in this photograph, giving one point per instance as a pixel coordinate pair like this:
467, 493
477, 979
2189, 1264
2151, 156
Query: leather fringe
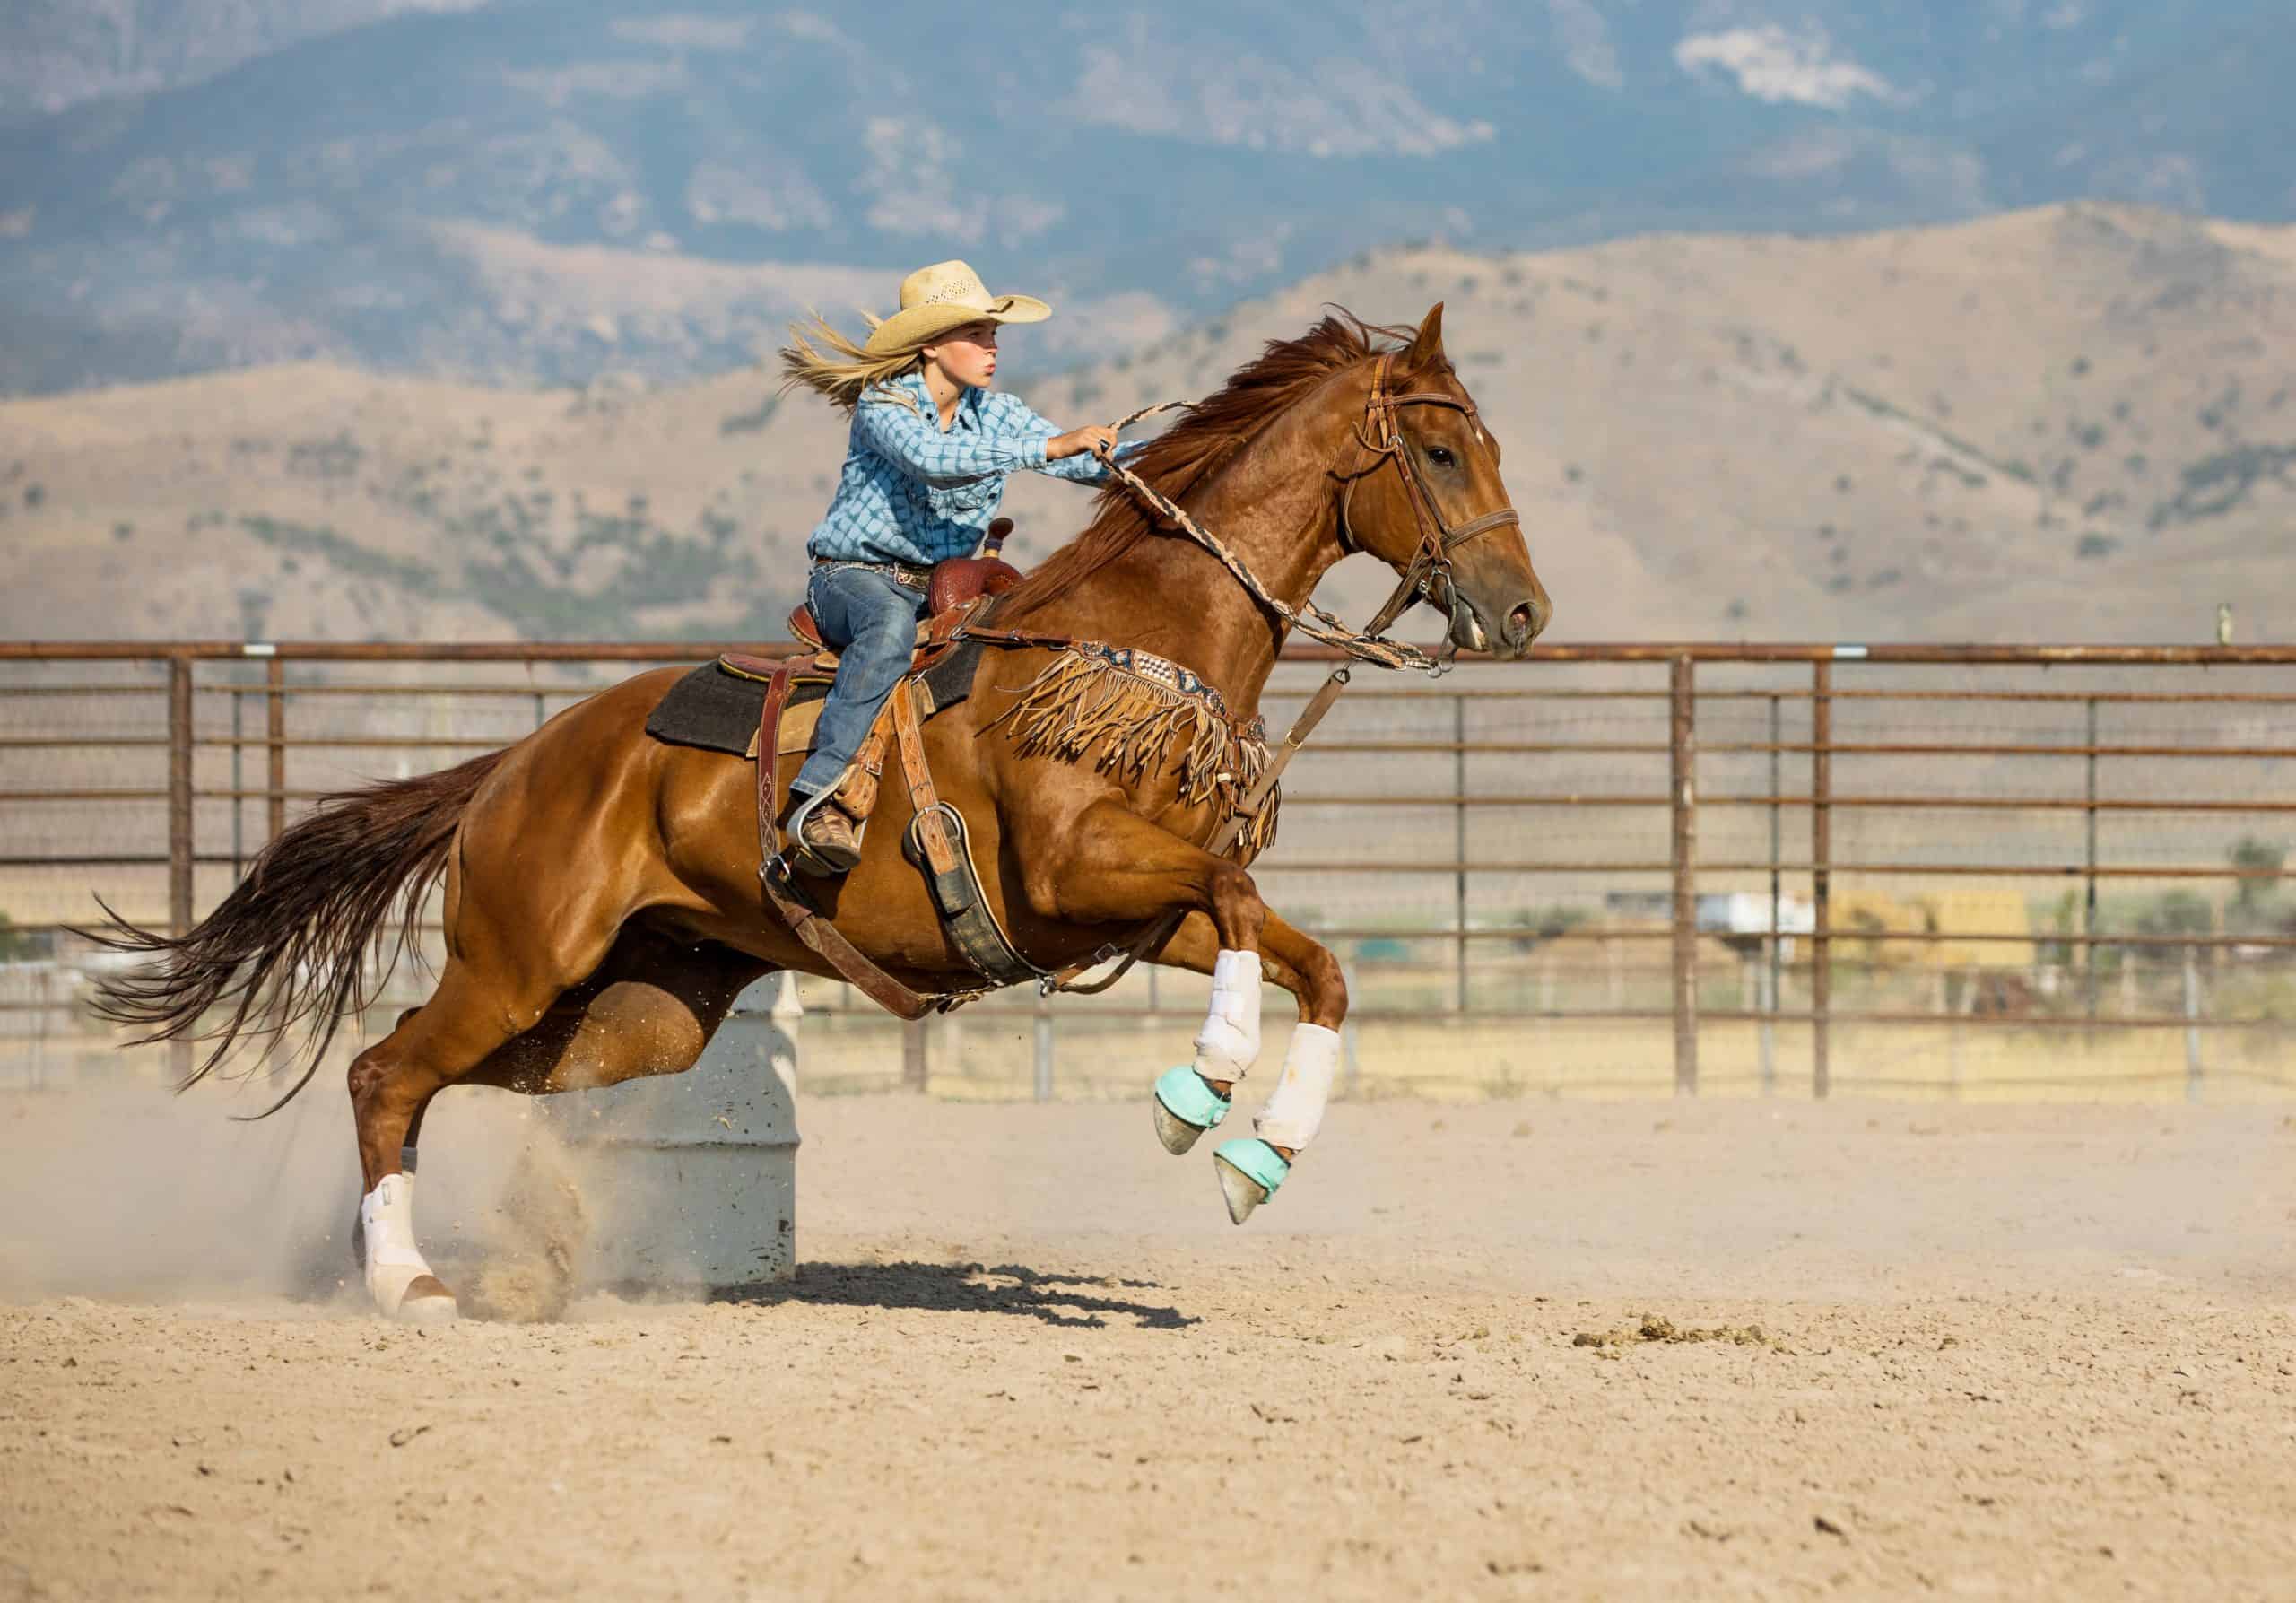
1133, 727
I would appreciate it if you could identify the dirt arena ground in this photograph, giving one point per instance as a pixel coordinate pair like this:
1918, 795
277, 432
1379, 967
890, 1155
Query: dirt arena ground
1969, 1351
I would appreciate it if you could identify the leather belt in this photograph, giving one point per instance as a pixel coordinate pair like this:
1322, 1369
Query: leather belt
901, 573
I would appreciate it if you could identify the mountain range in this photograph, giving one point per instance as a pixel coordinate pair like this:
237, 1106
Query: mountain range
544, 193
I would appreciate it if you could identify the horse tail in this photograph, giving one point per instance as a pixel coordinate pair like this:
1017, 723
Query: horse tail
290, 944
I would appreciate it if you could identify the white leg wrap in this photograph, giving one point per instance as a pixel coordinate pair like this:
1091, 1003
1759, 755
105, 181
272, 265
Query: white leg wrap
1296, 1112
1229, 1043
394, 1262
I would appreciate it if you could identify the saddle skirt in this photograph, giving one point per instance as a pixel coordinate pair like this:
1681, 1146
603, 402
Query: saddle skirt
717, 706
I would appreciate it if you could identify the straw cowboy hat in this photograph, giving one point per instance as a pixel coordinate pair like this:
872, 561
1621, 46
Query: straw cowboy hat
945, 296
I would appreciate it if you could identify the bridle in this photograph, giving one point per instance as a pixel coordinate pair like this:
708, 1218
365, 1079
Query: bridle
1380, 434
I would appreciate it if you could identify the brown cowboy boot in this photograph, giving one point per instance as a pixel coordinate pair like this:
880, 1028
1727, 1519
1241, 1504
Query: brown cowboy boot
825, 837
829, 832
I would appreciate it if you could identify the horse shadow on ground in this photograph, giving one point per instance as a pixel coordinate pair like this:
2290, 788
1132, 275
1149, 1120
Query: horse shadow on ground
1069, 1300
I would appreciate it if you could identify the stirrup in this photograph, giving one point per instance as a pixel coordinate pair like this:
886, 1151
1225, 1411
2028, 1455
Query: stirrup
801, 855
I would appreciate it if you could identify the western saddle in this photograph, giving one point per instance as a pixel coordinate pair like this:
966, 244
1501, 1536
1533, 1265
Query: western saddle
956, 583
960, 590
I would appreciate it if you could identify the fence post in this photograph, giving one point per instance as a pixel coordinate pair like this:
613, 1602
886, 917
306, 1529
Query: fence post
2089, 912
1681, 748
238, 785
38, 1076
913, 1061
1820, 875
1459, 842
275, 736
1770, 998
179, 825
2192, 1024
179, 818
1043, 1048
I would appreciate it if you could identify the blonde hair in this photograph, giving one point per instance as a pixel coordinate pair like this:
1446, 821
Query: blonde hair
844, 372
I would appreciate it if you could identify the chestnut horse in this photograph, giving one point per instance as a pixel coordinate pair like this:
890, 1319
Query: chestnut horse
602, 902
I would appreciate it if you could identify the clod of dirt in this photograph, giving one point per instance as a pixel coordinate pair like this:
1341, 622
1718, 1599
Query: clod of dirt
1655, 1328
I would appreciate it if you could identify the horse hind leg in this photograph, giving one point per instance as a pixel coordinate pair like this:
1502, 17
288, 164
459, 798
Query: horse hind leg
467, 1018
651, 1008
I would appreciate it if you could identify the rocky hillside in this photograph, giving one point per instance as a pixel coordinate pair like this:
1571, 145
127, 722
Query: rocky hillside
2067, 423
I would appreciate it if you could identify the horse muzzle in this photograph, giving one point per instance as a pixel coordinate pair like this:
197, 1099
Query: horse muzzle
1508, 635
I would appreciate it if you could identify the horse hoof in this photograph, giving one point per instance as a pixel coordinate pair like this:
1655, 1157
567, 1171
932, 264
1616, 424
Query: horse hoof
427, 1302
1249, 1173
1185, 1107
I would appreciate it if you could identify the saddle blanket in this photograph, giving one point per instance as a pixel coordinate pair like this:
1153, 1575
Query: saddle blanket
716, 708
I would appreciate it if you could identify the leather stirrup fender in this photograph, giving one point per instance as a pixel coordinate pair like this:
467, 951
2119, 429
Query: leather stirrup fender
937, 844
821, 937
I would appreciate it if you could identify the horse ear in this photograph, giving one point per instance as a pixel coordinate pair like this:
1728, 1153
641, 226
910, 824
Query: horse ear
1427, 346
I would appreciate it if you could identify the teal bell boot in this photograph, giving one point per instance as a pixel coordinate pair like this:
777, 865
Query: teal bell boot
1185, 1107
1249, 1173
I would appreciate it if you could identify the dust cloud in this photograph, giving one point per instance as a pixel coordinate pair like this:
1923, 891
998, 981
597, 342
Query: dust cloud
126, 1191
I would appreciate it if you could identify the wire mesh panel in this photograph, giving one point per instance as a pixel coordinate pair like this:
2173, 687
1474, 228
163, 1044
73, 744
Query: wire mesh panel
1608, 871
2043, 880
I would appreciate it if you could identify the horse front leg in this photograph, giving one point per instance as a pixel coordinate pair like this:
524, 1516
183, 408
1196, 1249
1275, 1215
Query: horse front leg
1294, 1110
1121, 867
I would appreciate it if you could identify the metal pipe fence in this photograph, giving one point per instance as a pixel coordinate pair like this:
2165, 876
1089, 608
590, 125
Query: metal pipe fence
1696, 868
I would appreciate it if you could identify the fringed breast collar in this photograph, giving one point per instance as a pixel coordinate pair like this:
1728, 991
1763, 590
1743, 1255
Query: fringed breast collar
1136, 714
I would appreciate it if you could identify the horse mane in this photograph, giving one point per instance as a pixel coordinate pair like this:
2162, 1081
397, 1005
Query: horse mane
1208, 433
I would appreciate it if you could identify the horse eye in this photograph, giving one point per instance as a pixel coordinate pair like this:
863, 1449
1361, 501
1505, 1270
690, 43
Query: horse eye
1441, 456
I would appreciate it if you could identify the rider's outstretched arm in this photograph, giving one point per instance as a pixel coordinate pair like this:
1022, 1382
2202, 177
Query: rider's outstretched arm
1084, 467
921, 450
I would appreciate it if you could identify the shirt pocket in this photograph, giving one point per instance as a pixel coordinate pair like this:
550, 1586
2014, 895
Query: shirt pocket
955, 500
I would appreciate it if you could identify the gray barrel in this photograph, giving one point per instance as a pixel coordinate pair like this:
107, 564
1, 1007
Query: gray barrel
689, 1181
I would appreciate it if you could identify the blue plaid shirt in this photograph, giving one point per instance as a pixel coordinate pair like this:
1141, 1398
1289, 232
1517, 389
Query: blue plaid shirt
914, 493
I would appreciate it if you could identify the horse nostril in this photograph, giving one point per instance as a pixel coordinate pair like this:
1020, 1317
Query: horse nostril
1523, 623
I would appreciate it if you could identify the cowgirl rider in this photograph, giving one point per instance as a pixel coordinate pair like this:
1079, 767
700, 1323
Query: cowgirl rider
931, 446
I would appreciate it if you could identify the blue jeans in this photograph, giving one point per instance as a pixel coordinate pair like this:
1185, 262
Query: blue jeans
872, 621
